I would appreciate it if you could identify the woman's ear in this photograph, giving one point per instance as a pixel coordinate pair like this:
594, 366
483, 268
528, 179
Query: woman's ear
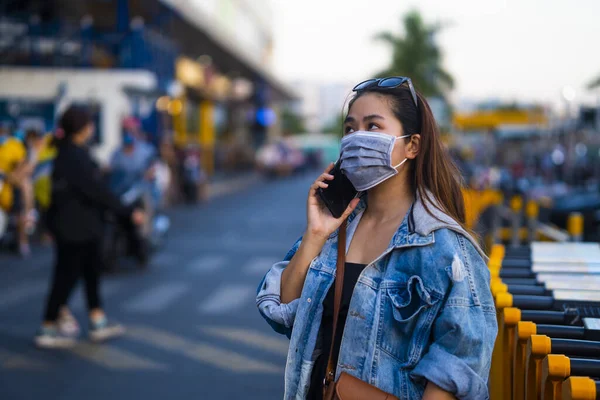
413, 147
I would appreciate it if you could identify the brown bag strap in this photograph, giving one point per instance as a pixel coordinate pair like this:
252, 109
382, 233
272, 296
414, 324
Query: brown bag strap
339, 283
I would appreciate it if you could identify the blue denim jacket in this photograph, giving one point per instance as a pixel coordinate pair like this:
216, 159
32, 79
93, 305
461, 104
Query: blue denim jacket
422, 311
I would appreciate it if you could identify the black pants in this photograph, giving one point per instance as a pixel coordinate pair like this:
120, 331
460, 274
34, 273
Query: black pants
72, 261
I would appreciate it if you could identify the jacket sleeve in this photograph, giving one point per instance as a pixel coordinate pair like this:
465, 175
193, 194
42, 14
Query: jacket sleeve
268, 300
464, 332
86, 179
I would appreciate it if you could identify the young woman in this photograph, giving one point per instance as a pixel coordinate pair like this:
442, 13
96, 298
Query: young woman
417, 318
79, 196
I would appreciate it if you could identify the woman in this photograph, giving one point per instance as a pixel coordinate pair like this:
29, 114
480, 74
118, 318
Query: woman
79, 197
417, 318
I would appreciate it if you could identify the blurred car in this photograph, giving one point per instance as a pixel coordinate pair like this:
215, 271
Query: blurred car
281, 158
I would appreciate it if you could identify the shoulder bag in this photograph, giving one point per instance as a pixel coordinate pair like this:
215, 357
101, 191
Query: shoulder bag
347, 387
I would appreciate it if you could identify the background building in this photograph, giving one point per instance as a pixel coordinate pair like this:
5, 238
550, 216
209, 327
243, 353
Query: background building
198, 69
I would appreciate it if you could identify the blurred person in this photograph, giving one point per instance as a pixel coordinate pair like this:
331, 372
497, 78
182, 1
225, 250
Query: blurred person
417, 316
79, 197
16, 195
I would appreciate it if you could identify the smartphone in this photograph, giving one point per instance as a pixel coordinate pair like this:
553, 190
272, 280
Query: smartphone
340, 192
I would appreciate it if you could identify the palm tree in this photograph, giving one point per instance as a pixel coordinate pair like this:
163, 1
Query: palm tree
417, 55
594, 84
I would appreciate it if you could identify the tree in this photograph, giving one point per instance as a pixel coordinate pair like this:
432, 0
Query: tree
291, 122
594, 84
335, 126
417, 55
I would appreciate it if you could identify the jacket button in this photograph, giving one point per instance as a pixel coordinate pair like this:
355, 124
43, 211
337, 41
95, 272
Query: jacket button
308, 300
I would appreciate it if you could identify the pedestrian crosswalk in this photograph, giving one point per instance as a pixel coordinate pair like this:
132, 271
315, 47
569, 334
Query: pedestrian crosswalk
157, 298
17, 294
207, 264
162, 294
115, 357
211, 287
227, 298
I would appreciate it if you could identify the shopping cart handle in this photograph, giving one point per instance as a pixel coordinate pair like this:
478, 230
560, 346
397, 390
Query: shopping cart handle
585, 367
516, 273
522, 281
578, 348
561, 332
533, 302
516, 263
545, 317
527, 289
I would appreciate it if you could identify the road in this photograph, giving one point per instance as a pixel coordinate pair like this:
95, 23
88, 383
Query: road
193, 327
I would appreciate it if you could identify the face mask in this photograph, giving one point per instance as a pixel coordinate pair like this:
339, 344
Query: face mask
366, 158
128, 139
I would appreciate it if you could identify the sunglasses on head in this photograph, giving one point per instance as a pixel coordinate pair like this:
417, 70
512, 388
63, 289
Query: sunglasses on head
391, 82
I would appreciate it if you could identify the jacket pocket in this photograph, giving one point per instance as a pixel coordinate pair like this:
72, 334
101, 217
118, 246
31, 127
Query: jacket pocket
407, 314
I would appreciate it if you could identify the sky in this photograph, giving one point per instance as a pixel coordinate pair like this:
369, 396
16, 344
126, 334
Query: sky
526, 50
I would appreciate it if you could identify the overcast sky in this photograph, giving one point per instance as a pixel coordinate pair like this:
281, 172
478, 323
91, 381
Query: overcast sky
525, 49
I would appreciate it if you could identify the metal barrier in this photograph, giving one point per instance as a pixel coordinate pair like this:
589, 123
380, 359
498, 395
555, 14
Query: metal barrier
546, 301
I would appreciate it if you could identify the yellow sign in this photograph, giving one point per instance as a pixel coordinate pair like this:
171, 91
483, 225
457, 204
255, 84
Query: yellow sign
493, 118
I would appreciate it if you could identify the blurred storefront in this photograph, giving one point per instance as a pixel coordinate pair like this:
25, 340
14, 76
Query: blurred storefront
197, 71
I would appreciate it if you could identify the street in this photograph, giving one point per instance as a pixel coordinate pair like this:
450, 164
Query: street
193, 330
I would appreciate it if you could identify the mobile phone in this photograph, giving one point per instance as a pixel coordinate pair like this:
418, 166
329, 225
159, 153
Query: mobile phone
340, 192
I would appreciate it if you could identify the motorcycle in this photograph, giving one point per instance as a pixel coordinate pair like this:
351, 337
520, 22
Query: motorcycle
122, 238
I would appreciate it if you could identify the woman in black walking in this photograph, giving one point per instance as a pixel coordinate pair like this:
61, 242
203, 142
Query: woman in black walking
79, 198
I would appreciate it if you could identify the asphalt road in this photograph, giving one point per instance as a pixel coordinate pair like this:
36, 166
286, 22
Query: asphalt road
193, 327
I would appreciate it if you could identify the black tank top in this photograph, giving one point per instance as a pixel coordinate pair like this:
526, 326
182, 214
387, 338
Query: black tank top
351, 273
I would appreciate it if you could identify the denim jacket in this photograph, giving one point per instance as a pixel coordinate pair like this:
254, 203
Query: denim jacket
422, 311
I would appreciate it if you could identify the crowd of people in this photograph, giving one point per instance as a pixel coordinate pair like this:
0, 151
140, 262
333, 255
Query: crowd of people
153, 173
51, 184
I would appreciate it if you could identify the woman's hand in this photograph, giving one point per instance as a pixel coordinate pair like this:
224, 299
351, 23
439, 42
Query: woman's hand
321, 224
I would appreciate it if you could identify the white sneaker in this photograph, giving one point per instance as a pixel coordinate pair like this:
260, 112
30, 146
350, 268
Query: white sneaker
67, 324
51, 338
104, 330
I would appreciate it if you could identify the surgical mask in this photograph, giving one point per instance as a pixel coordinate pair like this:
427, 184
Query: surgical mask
366, 158
128, 139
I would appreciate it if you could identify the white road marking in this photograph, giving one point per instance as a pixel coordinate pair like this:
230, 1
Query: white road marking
259, 265
78, 301
114, 358
207, 264
10, 360
228, 297
157, 298
268, 343
22, 292
201, 351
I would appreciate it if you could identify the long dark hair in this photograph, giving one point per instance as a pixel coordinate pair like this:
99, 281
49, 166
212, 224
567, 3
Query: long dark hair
434, 173
71, 122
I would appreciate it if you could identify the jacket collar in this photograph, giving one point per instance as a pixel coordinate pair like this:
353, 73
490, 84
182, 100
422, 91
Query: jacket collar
419, 225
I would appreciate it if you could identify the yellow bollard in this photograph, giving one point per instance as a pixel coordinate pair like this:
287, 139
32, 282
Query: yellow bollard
498, 287
555, 369
495, 263
532, 210
579, 388
516, 205
498, 252
525, 329
538, 347
575, 226
508, 321
497, 388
